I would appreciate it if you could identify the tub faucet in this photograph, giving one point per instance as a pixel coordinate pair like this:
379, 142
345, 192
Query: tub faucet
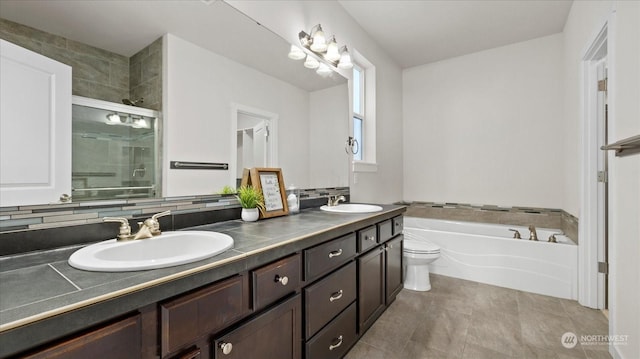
335, 200
533, 235
150, 227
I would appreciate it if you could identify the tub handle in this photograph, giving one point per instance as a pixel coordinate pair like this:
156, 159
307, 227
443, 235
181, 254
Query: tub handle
516, 234
553, 239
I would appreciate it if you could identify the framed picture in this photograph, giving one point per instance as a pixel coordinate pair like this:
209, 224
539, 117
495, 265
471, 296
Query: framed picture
269, 181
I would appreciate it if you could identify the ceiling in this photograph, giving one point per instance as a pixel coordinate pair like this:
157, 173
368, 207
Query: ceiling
413, 32
416, 32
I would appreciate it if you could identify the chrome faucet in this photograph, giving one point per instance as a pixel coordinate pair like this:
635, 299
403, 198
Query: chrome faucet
149, 228
335, 200
533, 235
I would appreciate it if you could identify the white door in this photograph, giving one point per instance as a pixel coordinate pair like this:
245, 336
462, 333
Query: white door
35, 127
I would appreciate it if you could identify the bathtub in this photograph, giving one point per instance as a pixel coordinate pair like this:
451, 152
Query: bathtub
488, 253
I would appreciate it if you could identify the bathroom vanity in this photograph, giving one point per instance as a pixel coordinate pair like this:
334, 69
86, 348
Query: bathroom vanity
303, 286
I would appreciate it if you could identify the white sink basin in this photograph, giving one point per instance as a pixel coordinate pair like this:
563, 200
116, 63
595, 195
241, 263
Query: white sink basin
352, 208
166, 250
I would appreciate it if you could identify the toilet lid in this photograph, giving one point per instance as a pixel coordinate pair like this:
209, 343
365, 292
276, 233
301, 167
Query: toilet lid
415, 246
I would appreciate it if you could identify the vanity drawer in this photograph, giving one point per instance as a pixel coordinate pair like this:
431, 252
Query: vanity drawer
336, 338
275, 280
327, 256
385, 231
398, 225
188, 317
367, 238
325, 299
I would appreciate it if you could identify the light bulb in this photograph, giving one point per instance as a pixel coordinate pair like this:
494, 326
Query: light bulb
113, 119
296, 53
323, 70
345, 59
332, 50
311, 62
319, 43
140, 123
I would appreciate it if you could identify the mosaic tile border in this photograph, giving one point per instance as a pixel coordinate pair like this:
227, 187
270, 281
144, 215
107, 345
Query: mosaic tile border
516, 215
24, 218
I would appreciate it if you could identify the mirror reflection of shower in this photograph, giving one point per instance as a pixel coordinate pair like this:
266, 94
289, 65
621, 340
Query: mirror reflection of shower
114, 151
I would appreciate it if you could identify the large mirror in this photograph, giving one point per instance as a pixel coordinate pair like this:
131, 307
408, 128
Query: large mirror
227, 81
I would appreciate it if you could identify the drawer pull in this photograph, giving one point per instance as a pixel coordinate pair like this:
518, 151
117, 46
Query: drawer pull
370, 238
335, 296
339, 343
284, 280
226, 347
335, 253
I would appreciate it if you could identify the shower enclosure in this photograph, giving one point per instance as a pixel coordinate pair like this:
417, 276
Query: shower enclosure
114, 151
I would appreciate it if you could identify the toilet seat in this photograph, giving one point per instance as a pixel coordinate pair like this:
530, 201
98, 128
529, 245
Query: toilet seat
420, 247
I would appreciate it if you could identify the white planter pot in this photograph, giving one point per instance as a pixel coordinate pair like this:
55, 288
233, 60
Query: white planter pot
250, 214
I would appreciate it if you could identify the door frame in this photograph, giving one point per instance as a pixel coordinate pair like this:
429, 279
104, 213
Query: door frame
272, 120
592, 223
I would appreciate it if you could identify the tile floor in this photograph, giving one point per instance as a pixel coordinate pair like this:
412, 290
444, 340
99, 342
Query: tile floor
464, 319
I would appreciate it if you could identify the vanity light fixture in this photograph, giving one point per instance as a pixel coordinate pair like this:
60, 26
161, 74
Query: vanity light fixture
114, 119
311, 62
329, 51
296, 53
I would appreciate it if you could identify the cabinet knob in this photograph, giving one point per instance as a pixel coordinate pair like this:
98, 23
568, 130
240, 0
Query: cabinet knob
283, 280
335, 253
337, 344
335, 296
370, 238
226, 347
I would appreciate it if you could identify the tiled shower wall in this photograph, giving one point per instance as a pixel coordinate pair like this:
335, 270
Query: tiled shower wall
145, 76
97, 73
521, 216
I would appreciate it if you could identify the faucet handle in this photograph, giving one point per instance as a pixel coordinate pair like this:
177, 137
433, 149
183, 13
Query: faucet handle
153, 224
553, 239
125, 228
516, 234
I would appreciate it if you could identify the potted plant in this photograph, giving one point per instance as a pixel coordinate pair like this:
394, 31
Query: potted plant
251, 201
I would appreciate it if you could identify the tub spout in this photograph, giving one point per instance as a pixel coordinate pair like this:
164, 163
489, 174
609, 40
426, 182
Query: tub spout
533, 235
516, 234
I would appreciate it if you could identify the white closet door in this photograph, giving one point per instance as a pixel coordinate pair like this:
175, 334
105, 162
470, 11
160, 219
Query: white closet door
35, 127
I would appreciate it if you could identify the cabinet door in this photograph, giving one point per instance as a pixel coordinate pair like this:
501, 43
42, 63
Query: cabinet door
371, 292
185, 319
35, 127
394, 268
119, 340
275, 334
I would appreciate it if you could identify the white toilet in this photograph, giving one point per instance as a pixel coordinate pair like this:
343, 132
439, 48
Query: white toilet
417, 256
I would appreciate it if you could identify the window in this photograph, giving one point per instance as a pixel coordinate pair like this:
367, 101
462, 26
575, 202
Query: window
363, 124
358, 110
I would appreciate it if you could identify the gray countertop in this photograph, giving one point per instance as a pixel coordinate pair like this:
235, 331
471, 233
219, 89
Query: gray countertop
42, 287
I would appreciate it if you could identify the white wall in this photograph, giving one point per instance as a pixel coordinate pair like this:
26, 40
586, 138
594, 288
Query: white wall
288, 18
584, 22
330, 163
487, 127
199, 90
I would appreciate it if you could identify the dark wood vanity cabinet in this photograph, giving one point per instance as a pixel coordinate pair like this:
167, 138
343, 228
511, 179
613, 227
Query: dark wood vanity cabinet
120, 339
314, 304
274, 334
393, 262
371, 290
380, 272
187, 318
